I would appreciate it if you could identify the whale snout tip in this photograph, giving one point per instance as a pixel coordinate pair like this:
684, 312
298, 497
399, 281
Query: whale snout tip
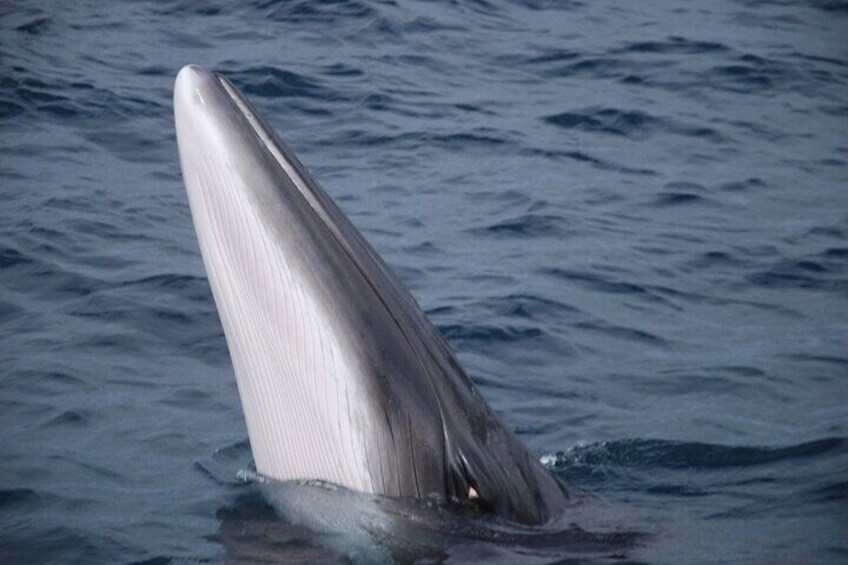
191, 84
190, 73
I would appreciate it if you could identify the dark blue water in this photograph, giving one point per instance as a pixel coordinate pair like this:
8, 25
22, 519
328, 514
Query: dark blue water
629, 219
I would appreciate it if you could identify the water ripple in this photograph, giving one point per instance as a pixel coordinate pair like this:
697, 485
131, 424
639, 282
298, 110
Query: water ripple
628, 226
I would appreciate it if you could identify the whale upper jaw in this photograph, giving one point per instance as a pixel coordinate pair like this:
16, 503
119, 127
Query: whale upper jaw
341, 376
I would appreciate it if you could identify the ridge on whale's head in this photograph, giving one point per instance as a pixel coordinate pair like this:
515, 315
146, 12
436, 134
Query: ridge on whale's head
341, 376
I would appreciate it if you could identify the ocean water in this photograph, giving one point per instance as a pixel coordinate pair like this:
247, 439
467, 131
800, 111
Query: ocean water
629, 220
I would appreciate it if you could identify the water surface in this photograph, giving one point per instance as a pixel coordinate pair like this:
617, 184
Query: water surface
629, 220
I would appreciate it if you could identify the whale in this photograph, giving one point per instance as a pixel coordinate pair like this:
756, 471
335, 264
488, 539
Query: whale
341, 376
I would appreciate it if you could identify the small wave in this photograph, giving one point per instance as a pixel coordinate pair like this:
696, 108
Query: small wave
82, 104
714, 260
840, 253
674, 45
488, 334
747, 184
12, 498
600, 283
227, 464
11, 257
69, 419
634, 124
620, 332
341, 70
682, 455
531, 307
609, 120
678, 199
461, 142
833, 492
750, 74
527, 225
819, 359
583, 157
271, 82
803, 273
323, 12
10, 312
33, 22
171, 281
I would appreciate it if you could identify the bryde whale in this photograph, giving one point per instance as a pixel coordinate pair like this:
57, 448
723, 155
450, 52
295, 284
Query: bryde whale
342, 378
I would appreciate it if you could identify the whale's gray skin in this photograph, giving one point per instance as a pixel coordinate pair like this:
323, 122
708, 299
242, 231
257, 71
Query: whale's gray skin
341, 376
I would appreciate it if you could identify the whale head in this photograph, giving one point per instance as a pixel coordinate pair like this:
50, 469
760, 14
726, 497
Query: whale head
341, 376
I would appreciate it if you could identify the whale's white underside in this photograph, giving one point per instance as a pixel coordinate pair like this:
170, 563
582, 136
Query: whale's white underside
290, 370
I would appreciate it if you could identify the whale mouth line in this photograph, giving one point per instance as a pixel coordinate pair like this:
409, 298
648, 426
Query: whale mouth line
272, 144
294, 170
